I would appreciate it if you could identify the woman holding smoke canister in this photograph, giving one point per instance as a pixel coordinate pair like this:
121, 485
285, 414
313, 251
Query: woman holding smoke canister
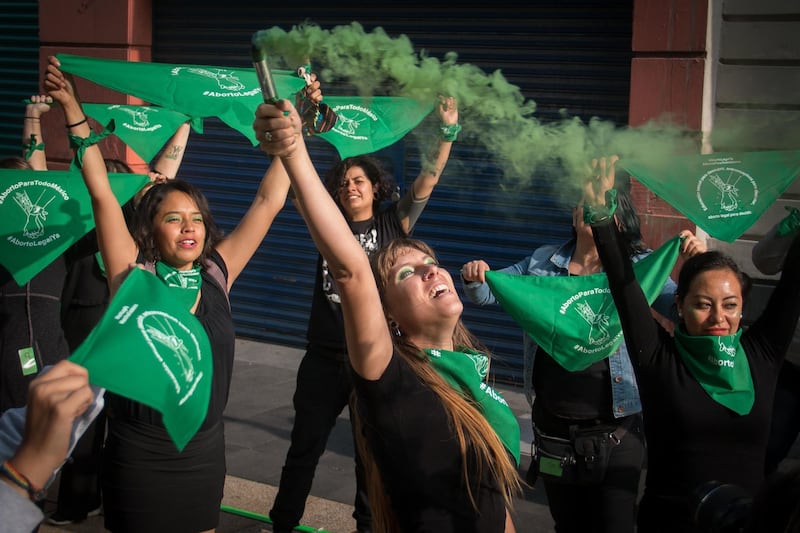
706, 392
439, 445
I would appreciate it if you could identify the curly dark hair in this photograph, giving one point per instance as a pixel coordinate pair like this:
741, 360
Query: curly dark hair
147, 209
375, 171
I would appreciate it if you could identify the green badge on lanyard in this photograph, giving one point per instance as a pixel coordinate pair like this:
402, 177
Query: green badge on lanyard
27, 361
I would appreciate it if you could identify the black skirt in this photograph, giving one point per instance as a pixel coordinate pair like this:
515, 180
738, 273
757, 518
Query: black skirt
149, 486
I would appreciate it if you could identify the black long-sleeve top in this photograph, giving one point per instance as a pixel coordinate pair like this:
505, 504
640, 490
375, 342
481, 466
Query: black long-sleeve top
691, 438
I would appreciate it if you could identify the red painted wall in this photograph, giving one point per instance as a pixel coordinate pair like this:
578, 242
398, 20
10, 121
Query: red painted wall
669, 41
111, 29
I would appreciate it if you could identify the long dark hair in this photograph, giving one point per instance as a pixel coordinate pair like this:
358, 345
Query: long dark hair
147, 209
375, 171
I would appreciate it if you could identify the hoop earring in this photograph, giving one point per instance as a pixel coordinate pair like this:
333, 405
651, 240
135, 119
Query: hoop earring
394, 327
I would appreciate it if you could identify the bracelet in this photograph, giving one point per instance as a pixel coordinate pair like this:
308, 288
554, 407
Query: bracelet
16, 477
77, 123
32, 118
449, 131
599, 214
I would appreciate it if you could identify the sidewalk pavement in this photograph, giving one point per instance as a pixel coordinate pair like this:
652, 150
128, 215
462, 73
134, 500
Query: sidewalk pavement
258, 423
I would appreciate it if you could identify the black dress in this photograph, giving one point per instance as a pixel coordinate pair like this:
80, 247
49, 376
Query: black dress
147, 484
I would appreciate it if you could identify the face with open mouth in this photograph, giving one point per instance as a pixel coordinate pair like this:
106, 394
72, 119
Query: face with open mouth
180, 231
420, 293
356, 194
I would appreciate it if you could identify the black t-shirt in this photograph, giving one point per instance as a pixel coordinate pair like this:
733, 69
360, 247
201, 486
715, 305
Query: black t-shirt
418, 455
325, 323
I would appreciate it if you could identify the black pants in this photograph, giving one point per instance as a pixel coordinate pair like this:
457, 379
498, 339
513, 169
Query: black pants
323, 391
608, 506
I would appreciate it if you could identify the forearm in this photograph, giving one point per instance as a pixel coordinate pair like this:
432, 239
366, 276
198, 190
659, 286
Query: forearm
432, 170
169, 162
31, 137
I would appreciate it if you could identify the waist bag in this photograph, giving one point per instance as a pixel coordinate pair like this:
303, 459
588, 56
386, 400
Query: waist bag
580, 460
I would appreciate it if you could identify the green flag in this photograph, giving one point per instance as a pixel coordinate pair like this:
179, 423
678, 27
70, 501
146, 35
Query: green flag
42, 213
573, 318
148, 347
230, 94
146, 129
365, 125
723, 193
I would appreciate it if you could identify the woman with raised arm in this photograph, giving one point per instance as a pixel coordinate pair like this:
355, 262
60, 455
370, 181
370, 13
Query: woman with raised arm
706, 392
439, 444
147, 484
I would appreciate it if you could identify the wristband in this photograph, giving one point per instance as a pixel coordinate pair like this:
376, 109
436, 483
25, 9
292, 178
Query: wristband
790, 222
18, 479
32, 147
599, 214
77, 123
32, 118
449, 132
82, 143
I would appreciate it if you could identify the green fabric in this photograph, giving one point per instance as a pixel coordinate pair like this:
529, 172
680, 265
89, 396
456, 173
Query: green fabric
573, 318
183, 284
594, 214
466, 372
790, 222
720, 365
151, 349
42, 213
230, 94
365, 125
82, 143
723, 193
32, 147
146, 129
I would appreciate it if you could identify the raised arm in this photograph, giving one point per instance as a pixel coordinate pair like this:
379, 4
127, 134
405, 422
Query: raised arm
242, 243
411, 207
32, 140
167, 165
368, 339
117, 247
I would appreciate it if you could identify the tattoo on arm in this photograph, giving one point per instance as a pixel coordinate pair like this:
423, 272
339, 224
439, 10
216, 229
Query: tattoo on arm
173, 152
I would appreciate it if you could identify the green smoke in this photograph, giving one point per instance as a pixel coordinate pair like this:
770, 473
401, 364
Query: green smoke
493, 112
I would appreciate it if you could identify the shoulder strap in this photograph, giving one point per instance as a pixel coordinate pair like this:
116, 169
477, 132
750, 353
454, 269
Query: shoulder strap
216, 274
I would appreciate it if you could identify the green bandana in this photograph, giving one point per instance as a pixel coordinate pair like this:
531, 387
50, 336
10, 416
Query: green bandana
466, 372
82, 143
573, 318
724, 193
720, 365
365, 125
148, 347
145, 129
183, 284
42, 213
32, 147
790, 222
230, 94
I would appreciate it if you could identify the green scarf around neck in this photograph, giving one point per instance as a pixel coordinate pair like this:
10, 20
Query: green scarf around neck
466, 371
720, 365
183, 284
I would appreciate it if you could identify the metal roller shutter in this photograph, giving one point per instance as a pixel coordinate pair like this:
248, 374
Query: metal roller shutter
569, 54
19, 69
